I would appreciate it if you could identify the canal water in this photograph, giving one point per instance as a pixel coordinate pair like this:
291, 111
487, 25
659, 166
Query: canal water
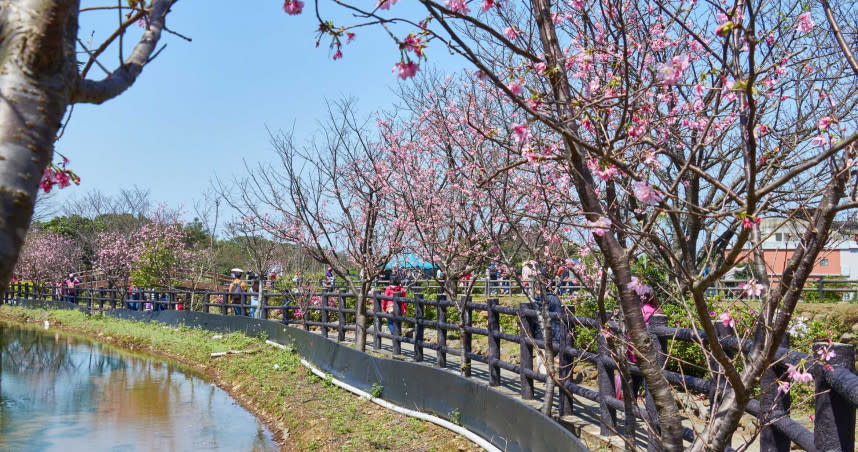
60, 393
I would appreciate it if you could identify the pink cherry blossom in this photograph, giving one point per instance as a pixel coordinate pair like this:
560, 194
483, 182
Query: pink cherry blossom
819, 141
458, 6
670, 74
752, 288
386, 4
727, 319
487, 5
511, 33
540, 68
406, 70
293, 7
645, 193
749, 222
639, 288
798, 374
600, 226
515, 88
805, 23
522, 132
783, 387
826, 353
825, 122
604, 173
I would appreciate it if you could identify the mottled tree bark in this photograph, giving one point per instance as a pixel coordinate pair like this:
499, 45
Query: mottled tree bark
38, 81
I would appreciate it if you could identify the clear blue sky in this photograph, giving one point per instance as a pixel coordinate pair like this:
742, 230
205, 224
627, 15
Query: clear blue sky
202, 107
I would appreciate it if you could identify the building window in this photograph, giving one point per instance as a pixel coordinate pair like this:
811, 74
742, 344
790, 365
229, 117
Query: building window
778, 237
823, 263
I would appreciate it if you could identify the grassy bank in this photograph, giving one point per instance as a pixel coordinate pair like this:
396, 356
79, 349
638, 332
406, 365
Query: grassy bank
303, 411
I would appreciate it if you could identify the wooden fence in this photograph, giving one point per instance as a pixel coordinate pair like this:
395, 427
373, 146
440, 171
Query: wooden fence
333, 313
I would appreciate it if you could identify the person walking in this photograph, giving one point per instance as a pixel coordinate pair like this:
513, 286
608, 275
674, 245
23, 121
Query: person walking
254, 297
393, 290
236, 291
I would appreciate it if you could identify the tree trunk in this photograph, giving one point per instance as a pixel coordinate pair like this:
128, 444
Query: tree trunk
360, 321
451, 287
668, 411
34, 89
548, 356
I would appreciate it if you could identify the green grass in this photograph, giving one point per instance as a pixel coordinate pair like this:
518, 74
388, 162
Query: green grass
310, 412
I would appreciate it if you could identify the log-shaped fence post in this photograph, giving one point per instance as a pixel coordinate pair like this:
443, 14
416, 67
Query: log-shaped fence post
660, 345
325, 299
494, 341
376, 322
467, 316
525, 352
565, 370
442, 331
397, 325
772, 400
207, 299
341, 317
263, 303
226, 299
719, 380
418, 327
605, 378
834, 421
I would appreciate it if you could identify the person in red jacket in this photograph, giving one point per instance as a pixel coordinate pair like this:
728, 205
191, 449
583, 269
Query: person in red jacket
387, 305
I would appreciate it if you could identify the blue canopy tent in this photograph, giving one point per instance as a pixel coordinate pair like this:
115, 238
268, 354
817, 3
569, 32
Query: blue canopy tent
408, 260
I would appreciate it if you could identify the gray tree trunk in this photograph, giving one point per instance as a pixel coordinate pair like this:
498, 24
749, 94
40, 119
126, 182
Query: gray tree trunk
38, 81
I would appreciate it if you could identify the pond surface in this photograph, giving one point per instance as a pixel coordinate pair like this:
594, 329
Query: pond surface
62, 393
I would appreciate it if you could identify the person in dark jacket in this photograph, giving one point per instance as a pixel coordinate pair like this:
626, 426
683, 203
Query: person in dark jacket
555, 307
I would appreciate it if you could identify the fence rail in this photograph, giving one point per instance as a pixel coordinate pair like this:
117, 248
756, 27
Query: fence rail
433, 324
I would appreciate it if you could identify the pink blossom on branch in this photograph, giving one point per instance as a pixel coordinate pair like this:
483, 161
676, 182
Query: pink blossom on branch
600, 226
458, 6
645, 193
293, 7
486, 5
752, 288
640, 288
511, 33
798, 374
515, 88
727, 319
826, 353
405, 70
521, 132
805, 23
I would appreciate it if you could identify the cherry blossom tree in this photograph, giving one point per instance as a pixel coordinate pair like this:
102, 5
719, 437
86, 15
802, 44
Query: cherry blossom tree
160, 252
331, 198
679, 125
114, 257
42, 76
436, 184
48, 257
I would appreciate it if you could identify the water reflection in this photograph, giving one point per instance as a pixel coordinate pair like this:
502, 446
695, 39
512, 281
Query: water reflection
61, 393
